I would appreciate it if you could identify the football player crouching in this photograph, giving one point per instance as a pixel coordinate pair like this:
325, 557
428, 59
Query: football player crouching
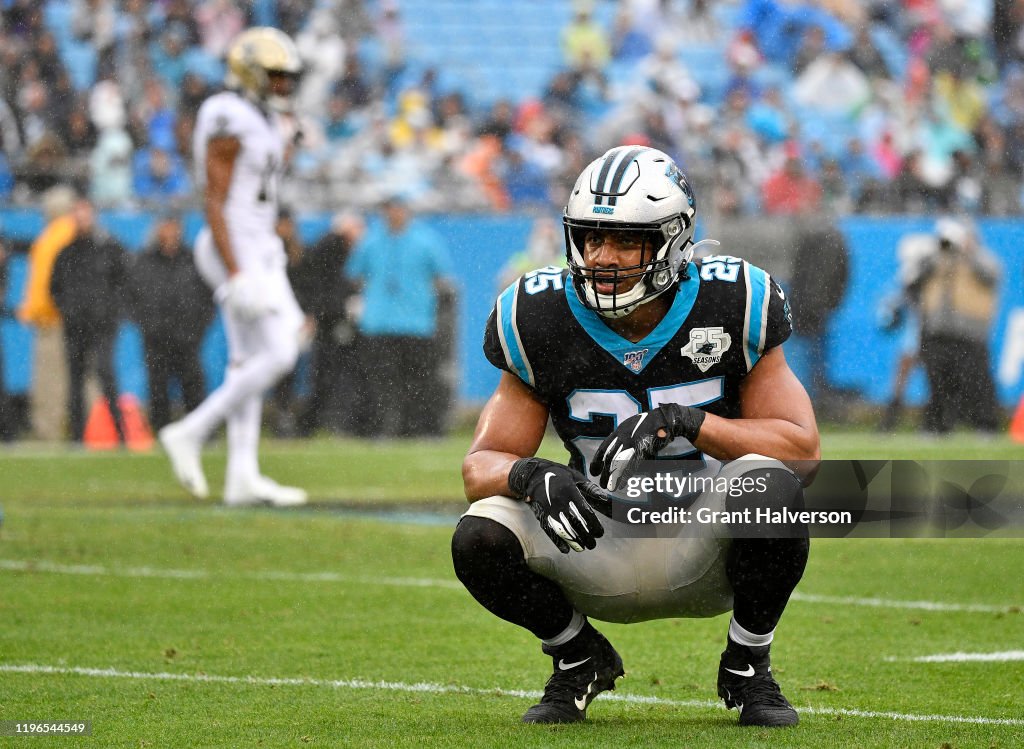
635, 350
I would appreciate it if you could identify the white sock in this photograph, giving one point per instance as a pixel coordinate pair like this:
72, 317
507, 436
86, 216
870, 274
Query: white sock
244, 439
575, 625
742, 636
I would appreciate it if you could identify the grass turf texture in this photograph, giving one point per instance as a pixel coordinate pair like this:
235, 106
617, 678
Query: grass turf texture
153, 586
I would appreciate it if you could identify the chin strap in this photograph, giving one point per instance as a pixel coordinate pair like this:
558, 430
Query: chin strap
685, 275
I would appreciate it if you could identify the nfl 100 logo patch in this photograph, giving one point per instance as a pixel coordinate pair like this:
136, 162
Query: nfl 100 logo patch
706, 346
634, 359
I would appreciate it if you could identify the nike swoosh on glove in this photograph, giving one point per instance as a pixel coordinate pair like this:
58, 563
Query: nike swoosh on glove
642, 437
561, 499
243, 296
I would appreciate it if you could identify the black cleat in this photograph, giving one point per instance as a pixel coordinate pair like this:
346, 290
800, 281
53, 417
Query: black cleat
583, 668
746, 683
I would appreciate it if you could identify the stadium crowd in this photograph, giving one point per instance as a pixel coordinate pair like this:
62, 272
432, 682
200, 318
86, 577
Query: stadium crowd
774, 106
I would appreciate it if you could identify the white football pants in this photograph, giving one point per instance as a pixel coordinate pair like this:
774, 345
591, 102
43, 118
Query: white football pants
260, 352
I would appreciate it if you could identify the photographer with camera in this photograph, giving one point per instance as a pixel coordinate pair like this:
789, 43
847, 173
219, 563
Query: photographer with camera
955, 292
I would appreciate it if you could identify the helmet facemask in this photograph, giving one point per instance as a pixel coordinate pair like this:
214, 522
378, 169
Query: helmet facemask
635, 190
665, 252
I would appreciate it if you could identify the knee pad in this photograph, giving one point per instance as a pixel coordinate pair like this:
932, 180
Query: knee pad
482, 542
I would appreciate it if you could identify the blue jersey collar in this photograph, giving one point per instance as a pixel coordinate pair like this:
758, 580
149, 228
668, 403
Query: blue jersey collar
636, 356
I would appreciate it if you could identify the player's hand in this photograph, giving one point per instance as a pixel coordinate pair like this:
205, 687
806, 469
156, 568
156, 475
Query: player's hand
243, 296
561, 499
642, 437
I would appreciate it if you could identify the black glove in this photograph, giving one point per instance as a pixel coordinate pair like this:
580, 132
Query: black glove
560, 498
638, 438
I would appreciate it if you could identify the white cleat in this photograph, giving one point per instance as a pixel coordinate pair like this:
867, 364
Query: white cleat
261, 490
184, 452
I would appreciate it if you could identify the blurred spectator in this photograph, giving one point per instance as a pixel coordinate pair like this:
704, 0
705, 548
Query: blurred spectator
665, 74
698, 25
172, 307
791, 190
391, 33
168, 55
769, 117
44, 165
955, 291
159, 176
340, 123
629, 42
193, 92
337, 396
832, 84
179, 14
106, 105
49, 378
10, 138
962, 100
80, 136
88, 283
866, 56
913, 191
323, 57
111, 167
95, 22
352, 83
483, 165
584, 40
219, 22
401, 268
812, 47
835, 188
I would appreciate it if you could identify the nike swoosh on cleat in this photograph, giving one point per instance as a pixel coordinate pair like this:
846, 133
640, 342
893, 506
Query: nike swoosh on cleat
581, 702
563, 666
748, 672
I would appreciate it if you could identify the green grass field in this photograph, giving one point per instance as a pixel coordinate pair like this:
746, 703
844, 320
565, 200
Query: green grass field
173, 623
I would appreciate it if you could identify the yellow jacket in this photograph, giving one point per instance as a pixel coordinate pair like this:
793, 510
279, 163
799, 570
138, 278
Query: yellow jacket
38, 307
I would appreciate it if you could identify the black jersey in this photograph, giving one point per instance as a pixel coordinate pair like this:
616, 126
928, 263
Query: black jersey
721, 321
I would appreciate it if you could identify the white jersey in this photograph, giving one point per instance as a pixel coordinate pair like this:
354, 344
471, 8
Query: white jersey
251, 207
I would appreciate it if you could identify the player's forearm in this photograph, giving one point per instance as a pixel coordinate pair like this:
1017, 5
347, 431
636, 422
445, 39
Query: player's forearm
485, 474
219, 231
794, 444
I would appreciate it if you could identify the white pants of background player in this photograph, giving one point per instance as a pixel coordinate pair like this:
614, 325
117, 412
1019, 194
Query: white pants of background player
260, 351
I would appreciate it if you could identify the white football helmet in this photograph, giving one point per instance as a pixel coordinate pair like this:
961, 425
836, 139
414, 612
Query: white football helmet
631, 188
253, 56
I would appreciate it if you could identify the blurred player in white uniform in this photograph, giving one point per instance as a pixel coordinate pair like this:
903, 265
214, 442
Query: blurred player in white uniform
239, 152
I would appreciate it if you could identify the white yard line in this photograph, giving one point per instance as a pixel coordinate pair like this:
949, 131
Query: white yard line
25, 565
888, 603
19, 565
960, 657
429, 688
